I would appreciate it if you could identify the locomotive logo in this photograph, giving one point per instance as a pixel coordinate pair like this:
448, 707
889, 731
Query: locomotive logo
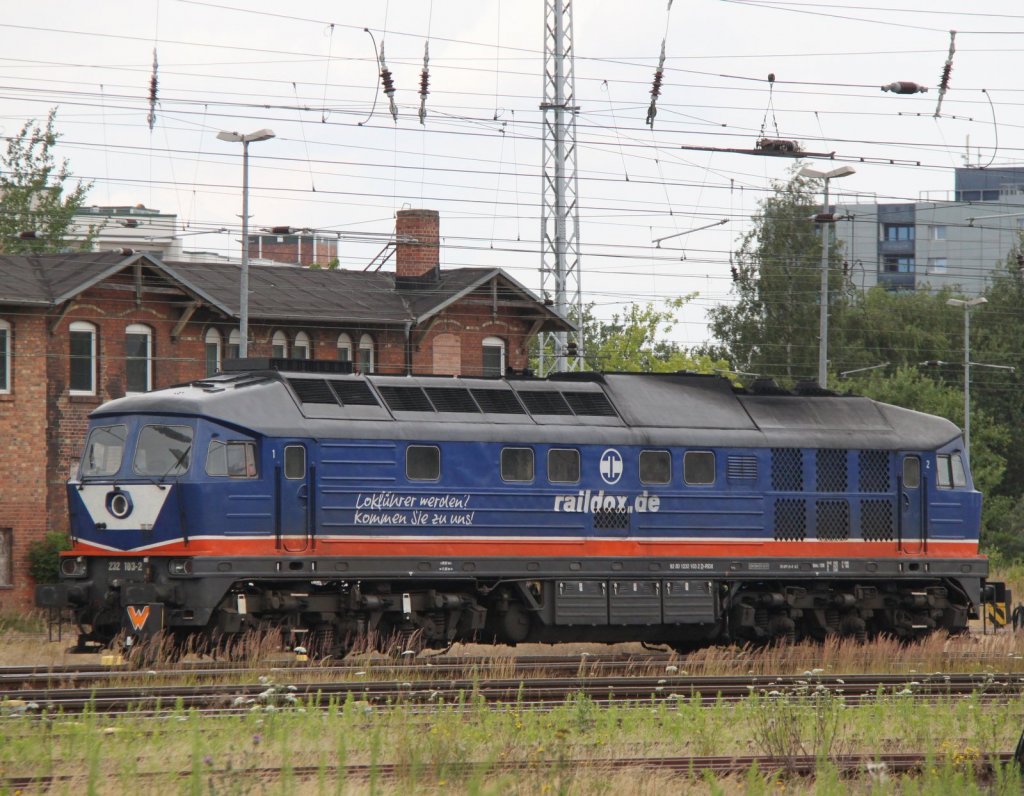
138, 616
611, 466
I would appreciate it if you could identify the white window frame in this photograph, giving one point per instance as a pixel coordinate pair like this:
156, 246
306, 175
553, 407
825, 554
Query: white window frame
345, 344
5, 352
142, 330
213, 338
84, 327
234, 342
279, 340
302, 341
938, 232
366, 344
496, 342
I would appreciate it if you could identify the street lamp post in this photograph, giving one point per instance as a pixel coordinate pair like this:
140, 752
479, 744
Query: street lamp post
825, 218
243, 305
967, 305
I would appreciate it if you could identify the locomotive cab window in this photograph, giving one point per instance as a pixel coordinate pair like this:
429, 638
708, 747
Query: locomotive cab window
563, 466
231, 459
423, 463
655, 467
950, 471
517, 464
699, 467
294, 462
911, 472
163, 451
104, 450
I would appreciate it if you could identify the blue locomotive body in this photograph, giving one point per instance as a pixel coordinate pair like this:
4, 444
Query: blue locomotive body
661, 508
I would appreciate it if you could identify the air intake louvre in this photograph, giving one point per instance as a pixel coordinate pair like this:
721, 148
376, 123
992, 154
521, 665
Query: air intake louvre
833, 520
741, 468
452, 399
592, 404
498, 402
545, 403
405, 399
354, 393
313, 391
830, 470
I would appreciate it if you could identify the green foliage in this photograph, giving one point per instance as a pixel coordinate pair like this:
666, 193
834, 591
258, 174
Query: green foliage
772, 328
44, 557
632, 342
32, 195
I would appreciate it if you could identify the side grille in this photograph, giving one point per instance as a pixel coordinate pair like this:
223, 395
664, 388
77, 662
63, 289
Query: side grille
830, 470
790, 520
405, 399
592, 404
545, 403
354, 393
833, 520
498, 402
313, 391
452, 399
787, 470
874, 471
876, 520
741, 468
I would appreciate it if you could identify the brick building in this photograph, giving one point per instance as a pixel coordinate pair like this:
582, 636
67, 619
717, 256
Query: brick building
79, 329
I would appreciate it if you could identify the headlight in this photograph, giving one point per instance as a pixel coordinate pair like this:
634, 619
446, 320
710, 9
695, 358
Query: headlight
73, 567
180, 566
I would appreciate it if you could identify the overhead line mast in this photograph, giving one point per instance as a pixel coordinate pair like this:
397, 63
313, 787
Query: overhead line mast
560, 212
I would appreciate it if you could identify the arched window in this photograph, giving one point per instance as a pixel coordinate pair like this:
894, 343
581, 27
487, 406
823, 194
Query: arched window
494, 356
138, 358
302, 348
234, 344
82, 350
5, 357
212, 349
344, 347
366, 358
279, 345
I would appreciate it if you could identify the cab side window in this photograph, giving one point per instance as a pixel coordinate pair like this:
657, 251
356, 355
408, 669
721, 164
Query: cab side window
231, 459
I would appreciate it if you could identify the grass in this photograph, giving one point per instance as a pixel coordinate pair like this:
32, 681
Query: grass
186, 752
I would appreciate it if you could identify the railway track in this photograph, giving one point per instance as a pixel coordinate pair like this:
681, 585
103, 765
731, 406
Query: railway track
796, 765
524, 691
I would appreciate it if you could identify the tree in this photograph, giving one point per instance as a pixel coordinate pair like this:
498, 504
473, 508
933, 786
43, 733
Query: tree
35, 211
772, 329
633, 342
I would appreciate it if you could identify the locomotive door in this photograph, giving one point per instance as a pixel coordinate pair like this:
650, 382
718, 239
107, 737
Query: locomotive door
911, 494
294, 499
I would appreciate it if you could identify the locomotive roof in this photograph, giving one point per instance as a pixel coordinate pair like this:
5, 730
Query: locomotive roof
615, 408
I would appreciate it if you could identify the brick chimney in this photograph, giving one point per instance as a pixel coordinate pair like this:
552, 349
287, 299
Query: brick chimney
417, 237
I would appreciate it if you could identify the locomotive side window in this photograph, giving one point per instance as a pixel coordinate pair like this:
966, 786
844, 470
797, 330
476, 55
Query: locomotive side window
423, 463
517, 464
655, 467
294, 462
911, 472
104, 450
950, 471
699, 467
163, 450
563, 466
231, 459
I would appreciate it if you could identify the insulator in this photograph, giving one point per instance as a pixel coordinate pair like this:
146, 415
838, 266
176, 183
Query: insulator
771, 77
905, 87
388, 81
947, 70
424, 83
656, 88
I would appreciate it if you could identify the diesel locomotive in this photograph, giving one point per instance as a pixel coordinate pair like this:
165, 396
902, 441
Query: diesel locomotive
674, 509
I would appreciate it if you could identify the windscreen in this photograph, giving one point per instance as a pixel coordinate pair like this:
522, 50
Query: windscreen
104, 450
163, 450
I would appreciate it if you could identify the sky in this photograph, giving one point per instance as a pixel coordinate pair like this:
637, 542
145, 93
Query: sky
341, 164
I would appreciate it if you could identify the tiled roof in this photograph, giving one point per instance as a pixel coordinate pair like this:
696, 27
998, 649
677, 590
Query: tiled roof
277, 292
